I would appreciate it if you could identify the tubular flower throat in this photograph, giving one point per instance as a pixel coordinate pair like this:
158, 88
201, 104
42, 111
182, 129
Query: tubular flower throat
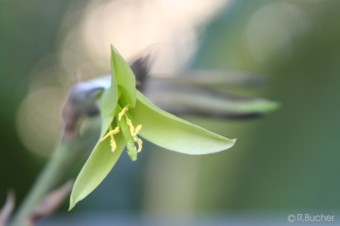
123, 123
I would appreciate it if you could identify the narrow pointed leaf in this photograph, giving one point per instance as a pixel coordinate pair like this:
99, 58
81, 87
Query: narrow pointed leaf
173, 133
124, 76
212, 104
96, 168
211, 78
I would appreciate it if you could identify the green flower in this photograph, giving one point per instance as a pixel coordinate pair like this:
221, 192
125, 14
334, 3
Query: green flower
126, 116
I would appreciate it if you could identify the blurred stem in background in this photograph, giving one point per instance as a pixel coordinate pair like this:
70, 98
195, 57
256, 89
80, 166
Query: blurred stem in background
67, 152
29, 31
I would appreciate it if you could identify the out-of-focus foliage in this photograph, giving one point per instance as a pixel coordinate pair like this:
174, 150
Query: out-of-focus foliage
28, 32
286, 161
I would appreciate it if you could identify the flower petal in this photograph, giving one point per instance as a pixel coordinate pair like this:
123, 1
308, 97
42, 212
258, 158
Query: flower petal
125, 78
108, 100
173, 133
96, 168
108, 103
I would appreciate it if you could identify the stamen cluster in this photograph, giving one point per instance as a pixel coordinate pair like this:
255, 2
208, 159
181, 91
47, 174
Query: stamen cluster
123, 123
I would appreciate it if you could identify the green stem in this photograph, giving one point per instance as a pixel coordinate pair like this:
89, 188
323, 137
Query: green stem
67, 151
46, 181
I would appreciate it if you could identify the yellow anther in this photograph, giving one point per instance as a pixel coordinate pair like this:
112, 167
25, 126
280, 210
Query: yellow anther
137, 129
113, 145
110, 133
116, 130
140, 145
131, 127
112, 139
122, 113
134, 132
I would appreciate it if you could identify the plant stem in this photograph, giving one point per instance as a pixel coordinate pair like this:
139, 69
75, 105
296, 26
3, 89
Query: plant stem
47, 179
67, 151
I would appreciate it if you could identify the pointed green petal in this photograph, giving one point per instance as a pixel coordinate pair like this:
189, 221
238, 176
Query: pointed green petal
106, 122
173, 133
108, 100
96, 168
125, 78
108, 103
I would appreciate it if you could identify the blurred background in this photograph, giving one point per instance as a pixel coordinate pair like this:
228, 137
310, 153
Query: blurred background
286, 162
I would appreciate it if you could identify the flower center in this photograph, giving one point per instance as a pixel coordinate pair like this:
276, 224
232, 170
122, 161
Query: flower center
124, 124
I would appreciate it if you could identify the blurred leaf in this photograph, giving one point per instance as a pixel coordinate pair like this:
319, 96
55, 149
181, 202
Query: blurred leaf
213, 104
211, 78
